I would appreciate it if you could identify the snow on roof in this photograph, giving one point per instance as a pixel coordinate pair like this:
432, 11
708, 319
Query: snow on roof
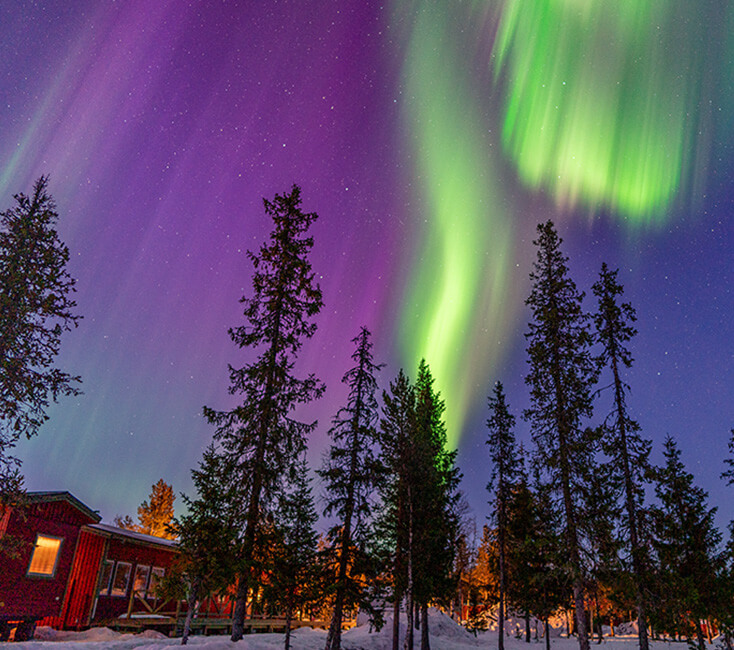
114, 531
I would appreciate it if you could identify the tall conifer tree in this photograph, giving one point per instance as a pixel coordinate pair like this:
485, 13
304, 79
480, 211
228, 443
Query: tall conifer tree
686, 543
295, 568
628, 450
435, 486
207, 533
351, 474
561, 376
260, 436
503, 455
36, 308
397, 430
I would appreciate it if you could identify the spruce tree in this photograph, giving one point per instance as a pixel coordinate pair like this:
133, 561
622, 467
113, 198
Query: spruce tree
503, 455
602, 546
260, 437
435, 481
351, 474
207, 533
537, 582
628, 450
561, 376
155, 517
36, 308
294, 571
397, 430
686, 543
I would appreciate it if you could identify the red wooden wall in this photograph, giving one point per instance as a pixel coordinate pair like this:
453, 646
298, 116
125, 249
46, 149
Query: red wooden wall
21, 595
83, 581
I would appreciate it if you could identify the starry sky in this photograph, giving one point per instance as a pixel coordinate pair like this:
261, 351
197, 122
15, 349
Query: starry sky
431, 138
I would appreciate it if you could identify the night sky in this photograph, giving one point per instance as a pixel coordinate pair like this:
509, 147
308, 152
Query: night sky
431, 138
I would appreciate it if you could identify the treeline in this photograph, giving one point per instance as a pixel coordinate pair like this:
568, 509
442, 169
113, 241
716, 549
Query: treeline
572, 525
572, 530
389, 484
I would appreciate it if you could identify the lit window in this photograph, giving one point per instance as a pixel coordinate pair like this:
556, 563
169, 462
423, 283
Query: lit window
122, 579
140, 582
45, 556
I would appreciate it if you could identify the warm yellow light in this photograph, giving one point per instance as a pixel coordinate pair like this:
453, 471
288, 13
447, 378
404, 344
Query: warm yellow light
45, 554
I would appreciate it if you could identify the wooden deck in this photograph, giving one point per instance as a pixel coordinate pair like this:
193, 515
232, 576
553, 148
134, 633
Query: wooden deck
173, 626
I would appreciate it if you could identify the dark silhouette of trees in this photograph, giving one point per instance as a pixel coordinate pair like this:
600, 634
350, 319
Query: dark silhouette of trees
686, 545
435, 481
207, 535
36, 308
260, 438
503, 455
561, 376
628, 451
351, 474
295, 570
397, 431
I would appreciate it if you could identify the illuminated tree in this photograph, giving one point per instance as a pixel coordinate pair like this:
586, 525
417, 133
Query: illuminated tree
561, 376
628, 450
36, 308
351, 474
155, 517
260, 437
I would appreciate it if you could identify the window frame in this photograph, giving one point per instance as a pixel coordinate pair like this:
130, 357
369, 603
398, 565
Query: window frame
104, 589
45, 576
113, 591
160, 573
142, 592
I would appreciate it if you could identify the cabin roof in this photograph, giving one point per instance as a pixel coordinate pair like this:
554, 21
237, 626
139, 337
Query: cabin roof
113, 531
47, 497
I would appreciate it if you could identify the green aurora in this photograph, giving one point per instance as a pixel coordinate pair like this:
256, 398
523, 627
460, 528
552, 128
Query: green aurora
598, 108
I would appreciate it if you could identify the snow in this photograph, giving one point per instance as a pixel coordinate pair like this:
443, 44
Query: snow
445, 635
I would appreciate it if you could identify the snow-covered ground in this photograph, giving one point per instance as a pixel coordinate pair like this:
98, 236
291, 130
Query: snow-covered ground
445, 635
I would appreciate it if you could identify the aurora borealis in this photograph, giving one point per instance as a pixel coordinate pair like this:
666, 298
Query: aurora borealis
431, 138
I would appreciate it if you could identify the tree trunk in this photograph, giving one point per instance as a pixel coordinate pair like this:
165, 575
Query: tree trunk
334, 638
503, 583
635, 547
547, 634
193, 599
288, 618
396, 624
409, 624
527, 627
597, 618
425, 642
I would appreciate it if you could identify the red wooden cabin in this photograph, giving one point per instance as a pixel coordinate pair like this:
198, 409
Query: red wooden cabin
73, 571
